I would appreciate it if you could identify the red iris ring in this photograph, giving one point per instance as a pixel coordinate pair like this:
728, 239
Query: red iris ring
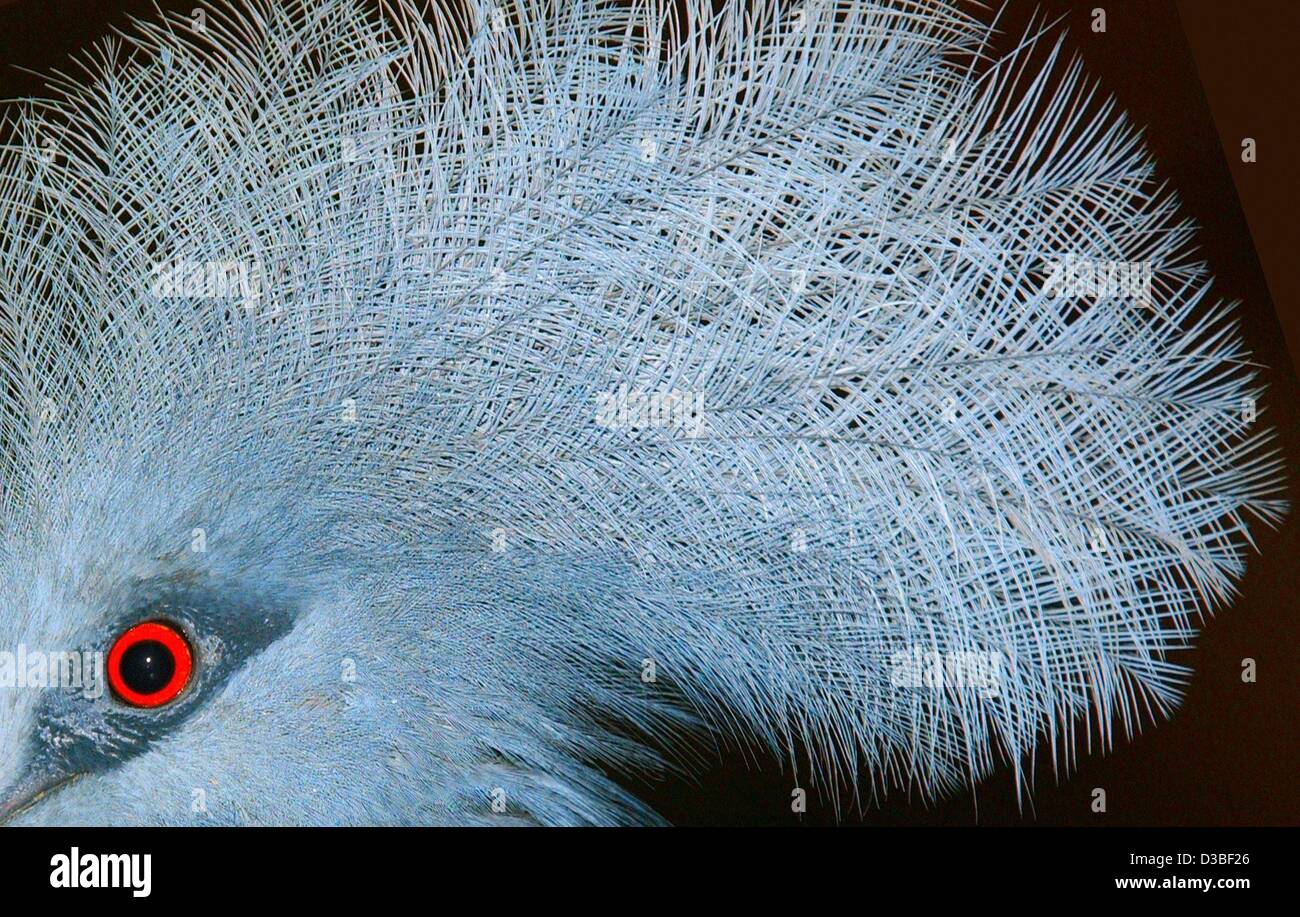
172, 640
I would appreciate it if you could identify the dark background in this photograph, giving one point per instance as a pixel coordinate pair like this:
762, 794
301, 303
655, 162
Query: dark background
1200, 75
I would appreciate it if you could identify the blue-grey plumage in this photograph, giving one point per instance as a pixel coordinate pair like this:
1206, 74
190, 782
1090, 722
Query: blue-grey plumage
478, 392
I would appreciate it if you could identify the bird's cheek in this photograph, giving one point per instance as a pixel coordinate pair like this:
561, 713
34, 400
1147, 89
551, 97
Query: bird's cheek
137, 794
18, 784
17, 713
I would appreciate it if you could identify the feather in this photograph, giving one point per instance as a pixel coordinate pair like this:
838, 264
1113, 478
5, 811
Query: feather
679, 374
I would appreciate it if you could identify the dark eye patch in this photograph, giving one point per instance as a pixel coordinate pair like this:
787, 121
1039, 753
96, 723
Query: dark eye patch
225, 624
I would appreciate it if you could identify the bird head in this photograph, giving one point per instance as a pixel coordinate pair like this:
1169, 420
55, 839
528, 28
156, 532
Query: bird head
411, 417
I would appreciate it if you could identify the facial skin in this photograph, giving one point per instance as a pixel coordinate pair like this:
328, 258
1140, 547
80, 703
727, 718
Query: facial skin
78, 733
326, 704
81, 751
269, 731
294, 714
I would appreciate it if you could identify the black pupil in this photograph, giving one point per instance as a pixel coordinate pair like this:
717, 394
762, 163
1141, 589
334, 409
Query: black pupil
147, 667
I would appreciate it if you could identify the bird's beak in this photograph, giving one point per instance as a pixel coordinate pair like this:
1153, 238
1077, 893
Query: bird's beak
28, 790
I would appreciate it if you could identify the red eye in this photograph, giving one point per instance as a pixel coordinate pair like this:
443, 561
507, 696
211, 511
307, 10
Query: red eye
149, 665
